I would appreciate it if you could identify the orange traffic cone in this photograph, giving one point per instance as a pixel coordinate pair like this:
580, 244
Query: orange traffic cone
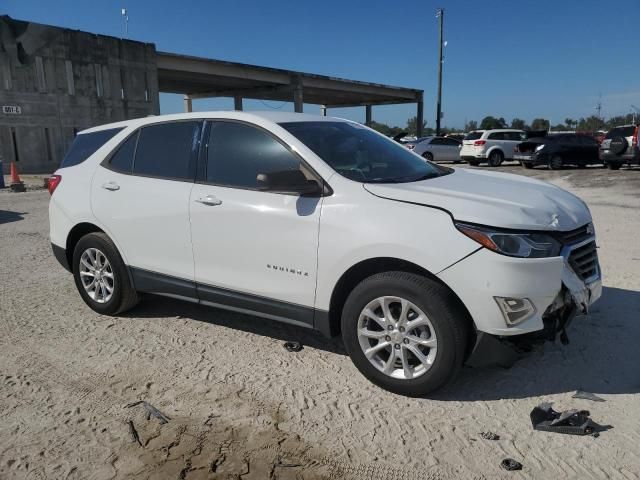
16, 183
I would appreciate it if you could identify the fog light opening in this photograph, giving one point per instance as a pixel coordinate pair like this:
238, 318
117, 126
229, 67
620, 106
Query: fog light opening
515, 310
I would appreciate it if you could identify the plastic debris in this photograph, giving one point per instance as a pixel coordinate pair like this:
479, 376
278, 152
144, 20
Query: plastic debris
293, 346
570, 422
587, 396
151, 411
510, 464
489, 436
134, 433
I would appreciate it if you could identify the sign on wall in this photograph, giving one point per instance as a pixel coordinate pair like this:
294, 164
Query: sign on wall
11, 109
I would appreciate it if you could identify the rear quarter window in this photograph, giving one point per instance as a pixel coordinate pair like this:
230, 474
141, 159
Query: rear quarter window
473, 136
621, 132
85, 145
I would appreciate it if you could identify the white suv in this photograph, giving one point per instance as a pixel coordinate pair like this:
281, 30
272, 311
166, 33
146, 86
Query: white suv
325, 224
494, 146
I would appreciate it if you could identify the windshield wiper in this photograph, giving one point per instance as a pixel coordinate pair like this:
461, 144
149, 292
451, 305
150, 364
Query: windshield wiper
404, 179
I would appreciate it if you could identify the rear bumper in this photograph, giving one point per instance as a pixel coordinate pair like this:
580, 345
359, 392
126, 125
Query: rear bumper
632, 157
548, 283
61, 256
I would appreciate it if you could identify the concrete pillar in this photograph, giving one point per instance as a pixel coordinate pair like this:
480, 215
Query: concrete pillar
297, 94
237, 103
188, 104
420, 116
323, 110
368, 115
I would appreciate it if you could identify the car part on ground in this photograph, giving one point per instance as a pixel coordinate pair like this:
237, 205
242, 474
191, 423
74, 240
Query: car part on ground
570, 422
510, 464
293, 346
587, 396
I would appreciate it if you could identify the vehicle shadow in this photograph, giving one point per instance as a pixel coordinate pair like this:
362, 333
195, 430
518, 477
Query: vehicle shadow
7, 216
602, 358
154, 306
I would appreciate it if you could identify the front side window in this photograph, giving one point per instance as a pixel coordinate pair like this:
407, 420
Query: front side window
237, 153
359, 154
85, 145
168, 150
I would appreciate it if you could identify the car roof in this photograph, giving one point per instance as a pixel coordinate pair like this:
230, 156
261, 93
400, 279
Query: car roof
502, 130
275, 117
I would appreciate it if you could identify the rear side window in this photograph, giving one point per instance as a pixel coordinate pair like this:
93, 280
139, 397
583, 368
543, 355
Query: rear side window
473, 136
122, 160
85, 145
237, 153
496, 136
516, 136
621, 132
168, 150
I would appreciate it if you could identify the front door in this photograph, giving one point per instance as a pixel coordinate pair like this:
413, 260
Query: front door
253, 250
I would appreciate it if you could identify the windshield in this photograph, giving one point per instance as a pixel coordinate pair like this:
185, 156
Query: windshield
357, 153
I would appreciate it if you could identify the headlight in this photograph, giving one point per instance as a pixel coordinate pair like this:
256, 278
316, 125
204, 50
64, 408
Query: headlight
539, 147
526, 245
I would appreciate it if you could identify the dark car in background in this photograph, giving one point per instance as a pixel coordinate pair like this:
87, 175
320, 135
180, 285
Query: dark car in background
620, 146
557, 150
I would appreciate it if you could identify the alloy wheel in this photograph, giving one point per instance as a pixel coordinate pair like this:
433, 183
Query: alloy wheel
96, 275
397, 337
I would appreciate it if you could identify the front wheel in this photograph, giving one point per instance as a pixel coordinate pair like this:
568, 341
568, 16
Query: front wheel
404, 332
613, 165
101, 276
556, 162
428, 156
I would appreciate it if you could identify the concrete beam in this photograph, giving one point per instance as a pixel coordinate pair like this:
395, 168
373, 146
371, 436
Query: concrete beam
257, 92
370, 102
237, 103
188, 104
368, 115
298, 97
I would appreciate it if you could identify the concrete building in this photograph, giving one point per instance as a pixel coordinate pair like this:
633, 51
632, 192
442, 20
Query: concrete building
55, 82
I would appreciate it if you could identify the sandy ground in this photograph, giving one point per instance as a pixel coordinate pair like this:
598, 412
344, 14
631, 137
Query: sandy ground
241, 406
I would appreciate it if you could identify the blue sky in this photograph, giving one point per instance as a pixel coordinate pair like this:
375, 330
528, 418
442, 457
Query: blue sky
524, 59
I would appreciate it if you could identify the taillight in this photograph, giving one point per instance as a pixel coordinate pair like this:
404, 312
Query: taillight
479, 143
54, 181
634, 140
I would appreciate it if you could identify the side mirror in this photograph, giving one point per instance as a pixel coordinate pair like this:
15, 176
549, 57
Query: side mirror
288, 181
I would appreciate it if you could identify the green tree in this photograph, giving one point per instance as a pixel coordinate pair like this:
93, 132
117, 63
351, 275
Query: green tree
590, 124
470, 126
489, 123
570, 123
559, 127
540, 124
412, 124
519, 124
385, 129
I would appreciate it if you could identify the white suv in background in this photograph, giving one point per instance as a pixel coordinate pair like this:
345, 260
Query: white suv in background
328, 225
492, 146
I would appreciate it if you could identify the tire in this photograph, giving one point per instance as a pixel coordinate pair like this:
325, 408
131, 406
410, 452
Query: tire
123, 295
428, 156
527, 165
613, 165
447, 321
556, 163
473, 163
495, 158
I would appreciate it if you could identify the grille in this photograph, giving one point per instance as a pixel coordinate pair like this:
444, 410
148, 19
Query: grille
575, 236
584, 260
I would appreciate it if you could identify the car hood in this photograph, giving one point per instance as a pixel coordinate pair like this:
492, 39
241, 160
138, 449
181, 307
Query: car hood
494, 199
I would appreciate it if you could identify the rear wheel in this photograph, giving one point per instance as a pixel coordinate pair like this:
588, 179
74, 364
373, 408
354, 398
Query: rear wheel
428, 156
404, 332
555, 163
495, 158
101, 276
613, 165
527, 165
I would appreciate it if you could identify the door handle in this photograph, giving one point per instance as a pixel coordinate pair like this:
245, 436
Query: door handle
112, 186
209, 200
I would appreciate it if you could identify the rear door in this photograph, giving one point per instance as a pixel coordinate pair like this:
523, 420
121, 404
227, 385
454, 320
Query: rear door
141, 196
451, 149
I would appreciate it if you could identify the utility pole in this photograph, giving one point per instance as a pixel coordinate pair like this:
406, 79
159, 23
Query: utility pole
440, 17
125, 17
